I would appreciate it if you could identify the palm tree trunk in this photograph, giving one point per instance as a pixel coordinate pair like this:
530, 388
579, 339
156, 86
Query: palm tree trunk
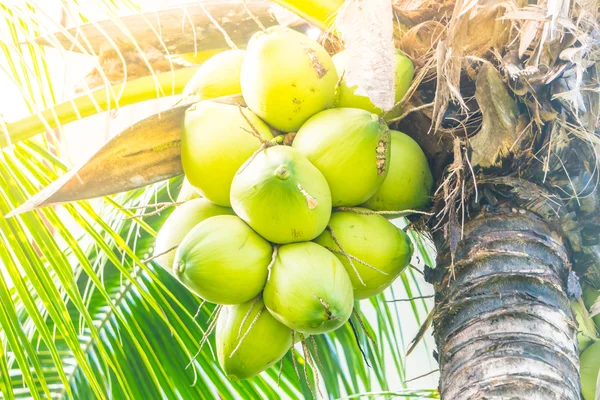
503, 325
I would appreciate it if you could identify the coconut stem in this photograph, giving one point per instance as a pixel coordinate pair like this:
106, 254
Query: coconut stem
159, 204
338, 244
273, 142
294, 355
362, 352
211, 327
247, 316
162, 207
280, 371
409, 111
307, 357
416, 269
362, 325
311, 362
199, 309
422, 376
247, 332
409, 299
155, 256
371, 212
254, 131
366, 264
273, 258
252, 157
318, 359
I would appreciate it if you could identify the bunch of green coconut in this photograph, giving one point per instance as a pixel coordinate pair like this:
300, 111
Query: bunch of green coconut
286, 233
589, 342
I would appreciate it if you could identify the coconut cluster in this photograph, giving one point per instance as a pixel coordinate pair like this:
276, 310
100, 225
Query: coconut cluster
284, 234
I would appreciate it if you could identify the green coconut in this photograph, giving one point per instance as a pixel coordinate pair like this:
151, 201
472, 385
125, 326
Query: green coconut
223, 260
586, 332
287, 77
216, 140
373, 240
187, 192
590, 296
309, 289
282, 196
347, 96
249, 339
179, 223
219, 76
409, 182
351, 148
589, 368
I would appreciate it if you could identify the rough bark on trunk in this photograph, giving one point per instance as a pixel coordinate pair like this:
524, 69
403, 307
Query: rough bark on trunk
503, 325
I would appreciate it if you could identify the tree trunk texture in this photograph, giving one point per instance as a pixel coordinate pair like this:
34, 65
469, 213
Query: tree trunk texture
503, 324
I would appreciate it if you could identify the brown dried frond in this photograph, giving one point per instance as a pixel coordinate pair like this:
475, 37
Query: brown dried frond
127, 63
414, 12
474, 31
420, 41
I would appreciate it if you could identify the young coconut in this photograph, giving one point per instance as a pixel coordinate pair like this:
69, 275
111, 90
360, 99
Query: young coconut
347, 96
282, 196
249, 339
287, 77
367, 239
187, 192
409, 182
219, 76
590, 296
215, 142
586, 329
223, 260
179, 223
589, 364
351, 148
308, 289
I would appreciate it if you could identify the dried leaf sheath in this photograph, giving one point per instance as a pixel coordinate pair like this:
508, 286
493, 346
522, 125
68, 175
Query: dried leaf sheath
174, 30
503, 325
145, 153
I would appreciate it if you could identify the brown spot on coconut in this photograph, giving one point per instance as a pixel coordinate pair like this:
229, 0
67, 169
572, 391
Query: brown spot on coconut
349, 146
409, 182
287, 77
267, 196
